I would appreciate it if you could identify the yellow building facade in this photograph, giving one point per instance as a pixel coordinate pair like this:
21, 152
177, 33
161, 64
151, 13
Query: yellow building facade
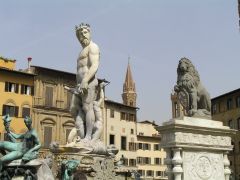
16, 95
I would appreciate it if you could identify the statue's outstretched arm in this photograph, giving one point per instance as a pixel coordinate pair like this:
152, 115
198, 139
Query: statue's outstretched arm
16, 136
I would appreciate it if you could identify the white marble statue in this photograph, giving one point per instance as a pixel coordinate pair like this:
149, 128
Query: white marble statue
82, 105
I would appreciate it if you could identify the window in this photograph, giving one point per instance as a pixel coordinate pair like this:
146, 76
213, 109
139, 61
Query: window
159, 173
141, 172
139, 160
157, 161
49, 96
11, 87
47, 136
125, 161
111, 113
147, 160
25, 112
132, 146
238, 102
238, 122
149, 173
69, 99
68, 130
123, 116
25, 89
131, 117
132, 162
123, 143
11, 110
132, 131
214, 108
146, 146
230, 124
229, 104
157, 147
111, 139
140, 146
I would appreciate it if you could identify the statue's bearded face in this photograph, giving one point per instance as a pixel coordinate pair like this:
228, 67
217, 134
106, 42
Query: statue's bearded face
84, 37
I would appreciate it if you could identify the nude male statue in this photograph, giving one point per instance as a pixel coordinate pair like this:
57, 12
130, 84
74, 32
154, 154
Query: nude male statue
82, 105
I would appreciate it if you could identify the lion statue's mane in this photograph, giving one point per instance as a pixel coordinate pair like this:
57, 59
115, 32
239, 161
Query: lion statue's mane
188, 80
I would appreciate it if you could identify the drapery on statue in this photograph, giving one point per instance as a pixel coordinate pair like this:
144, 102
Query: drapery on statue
191, 93
28, 147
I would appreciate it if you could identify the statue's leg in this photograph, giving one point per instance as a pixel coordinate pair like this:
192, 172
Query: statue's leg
75, 105
90, 119
79, 124
98, 126
88, 101
9, 146
10, 157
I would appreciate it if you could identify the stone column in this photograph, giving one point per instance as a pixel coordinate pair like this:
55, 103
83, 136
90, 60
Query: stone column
177, 163
226, 163
168, 162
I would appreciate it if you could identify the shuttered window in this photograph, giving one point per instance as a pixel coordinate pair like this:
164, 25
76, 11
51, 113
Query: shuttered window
49, 96
47, 136
67, 133
11, 87
25, 112
69, 99
26, 89
11, 110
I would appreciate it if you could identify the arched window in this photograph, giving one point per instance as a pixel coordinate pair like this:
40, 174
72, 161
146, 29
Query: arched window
48, 128
68, 126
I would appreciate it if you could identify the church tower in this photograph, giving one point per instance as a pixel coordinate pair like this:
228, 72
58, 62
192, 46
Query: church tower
129, 94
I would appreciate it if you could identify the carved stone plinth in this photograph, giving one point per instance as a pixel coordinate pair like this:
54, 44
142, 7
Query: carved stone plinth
196, 149
90, 166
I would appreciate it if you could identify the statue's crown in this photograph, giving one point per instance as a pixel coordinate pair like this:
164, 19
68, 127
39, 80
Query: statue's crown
82, 26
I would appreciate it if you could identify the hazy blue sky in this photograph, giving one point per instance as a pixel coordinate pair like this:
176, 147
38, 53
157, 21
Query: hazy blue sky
155, 33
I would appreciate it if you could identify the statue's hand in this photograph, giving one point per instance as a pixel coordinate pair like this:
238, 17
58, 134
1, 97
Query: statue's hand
82, 88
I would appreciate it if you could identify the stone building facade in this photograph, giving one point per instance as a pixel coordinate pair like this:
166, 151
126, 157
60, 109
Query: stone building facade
226, 108
51, 104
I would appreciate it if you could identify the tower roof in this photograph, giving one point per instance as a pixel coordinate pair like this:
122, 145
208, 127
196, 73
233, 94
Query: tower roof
129, 79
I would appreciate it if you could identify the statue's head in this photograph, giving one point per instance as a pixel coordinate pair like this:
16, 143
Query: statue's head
184, 65
28, 122
83, 33
7, 120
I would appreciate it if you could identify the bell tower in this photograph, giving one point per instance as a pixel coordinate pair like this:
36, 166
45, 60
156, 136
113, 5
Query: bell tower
129, 94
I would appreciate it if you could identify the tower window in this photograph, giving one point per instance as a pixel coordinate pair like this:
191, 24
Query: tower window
111, 113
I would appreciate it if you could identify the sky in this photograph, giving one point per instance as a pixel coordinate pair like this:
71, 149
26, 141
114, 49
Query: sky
155, 34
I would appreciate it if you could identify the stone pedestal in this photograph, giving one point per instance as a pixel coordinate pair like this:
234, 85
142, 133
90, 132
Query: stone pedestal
35, 169
196, 149
90, 167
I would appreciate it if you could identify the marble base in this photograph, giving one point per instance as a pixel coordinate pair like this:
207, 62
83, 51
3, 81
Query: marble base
36, 169
196, 149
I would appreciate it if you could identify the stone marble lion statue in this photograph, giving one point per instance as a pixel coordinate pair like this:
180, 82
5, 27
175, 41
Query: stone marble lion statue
188, 83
